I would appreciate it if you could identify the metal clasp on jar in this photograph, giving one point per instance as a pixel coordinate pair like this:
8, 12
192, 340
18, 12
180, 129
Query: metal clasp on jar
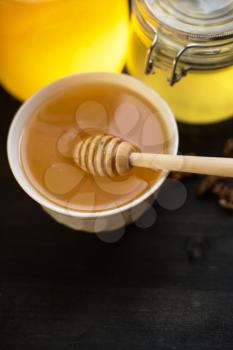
178, 70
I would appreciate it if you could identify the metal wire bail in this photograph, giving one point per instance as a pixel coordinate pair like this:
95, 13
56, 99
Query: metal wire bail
179, 71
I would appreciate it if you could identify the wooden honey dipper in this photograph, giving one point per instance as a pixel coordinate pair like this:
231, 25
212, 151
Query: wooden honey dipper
107, 155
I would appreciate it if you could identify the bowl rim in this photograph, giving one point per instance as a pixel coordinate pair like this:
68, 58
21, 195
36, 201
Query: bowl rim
24, 112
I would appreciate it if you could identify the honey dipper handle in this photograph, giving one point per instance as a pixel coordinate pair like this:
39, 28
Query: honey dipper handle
190, 164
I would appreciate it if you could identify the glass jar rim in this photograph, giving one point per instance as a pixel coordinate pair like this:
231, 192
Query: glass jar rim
197, 30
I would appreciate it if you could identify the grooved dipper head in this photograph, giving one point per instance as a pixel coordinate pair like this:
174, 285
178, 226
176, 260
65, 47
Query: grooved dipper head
104, 155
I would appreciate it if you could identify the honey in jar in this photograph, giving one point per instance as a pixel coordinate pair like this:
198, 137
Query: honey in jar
184, 50
43, 40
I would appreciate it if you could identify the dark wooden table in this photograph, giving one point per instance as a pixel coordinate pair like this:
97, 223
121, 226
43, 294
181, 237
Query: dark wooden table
166, 287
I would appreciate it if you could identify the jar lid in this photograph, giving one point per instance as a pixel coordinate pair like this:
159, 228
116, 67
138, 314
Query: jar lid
196, 18
187, 34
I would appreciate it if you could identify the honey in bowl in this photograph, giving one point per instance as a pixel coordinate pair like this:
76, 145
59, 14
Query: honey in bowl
74, 114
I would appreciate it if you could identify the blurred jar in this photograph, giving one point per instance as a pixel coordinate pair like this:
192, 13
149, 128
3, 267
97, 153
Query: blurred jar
189, 47
43, 40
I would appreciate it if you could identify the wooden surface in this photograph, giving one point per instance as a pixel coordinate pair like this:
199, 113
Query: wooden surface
166, 287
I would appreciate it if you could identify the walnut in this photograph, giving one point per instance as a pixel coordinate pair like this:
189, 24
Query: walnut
180, 176
225, 204
221, 189
207, 184
228, 148
226, 198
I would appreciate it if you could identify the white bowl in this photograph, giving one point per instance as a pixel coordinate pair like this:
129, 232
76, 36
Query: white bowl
89, 221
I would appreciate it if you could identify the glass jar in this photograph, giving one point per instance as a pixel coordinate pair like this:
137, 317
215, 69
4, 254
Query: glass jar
43, 40
189, 47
